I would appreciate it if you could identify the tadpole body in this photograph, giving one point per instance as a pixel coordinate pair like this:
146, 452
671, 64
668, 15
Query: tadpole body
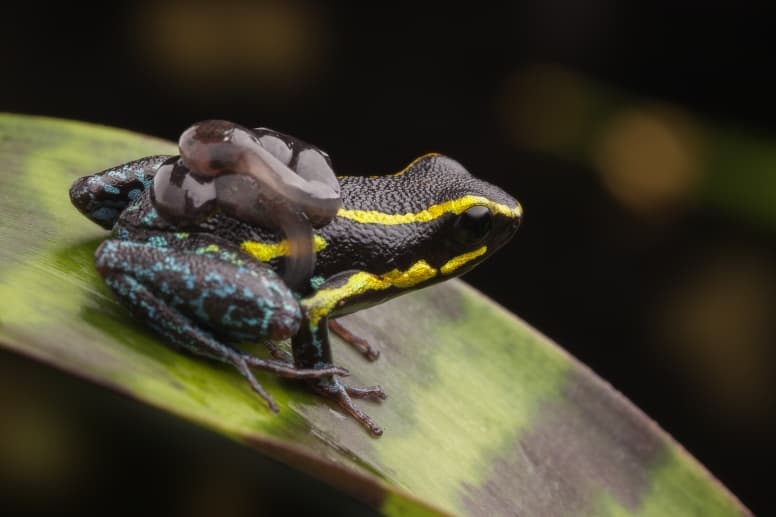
259, 176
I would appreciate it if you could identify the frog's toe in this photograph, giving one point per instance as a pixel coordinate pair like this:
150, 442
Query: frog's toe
369, 351
244, 362
242, 366
366, 392
343, 395
278, 353
289, 371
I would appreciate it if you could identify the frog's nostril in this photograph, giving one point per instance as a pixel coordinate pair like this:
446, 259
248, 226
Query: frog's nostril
80, 195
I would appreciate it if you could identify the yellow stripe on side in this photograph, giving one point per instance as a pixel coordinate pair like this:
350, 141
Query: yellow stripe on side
419, 272
325, 300
266, 252
454, 206
454, 263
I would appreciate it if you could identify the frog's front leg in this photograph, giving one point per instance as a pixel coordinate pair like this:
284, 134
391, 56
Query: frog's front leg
311, 346
192, 296
362, 345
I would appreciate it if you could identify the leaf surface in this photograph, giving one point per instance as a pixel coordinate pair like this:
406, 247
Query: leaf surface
485, 415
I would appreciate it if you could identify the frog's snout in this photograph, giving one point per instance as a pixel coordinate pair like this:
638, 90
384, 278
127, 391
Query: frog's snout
80, 196
507, 226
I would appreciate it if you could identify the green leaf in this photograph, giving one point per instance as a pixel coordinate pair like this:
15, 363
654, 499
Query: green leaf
485, 417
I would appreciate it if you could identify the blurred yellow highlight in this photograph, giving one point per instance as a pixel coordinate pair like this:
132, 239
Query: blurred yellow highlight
716, 325
545, 107
201, 47
647, 156
648, 159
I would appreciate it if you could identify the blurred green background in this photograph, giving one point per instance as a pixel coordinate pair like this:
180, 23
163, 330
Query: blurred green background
639, 137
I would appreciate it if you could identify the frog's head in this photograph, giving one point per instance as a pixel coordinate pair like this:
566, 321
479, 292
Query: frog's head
468, 219
431, 221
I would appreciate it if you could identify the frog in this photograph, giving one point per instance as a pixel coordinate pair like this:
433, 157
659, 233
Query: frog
205, 284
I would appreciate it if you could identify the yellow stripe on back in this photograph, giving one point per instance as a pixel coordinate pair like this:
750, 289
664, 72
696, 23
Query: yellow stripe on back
265, 252
454, 206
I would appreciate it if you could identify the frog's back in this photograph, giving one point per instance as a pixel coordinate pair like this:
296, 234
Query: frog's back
394, 221
119, 199
428, 181
141, 221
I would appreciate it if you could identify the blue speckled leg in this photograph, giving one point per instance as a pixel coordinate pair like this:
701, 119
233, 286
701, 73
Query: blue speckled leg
189, 297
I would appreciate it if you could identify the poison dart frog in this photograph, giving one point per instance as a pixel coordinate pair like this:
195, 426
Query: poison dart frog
205, 264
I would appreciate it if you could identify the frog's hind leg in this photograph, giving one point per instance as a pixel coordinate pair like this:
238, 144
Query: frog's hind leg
178, 292
180, 331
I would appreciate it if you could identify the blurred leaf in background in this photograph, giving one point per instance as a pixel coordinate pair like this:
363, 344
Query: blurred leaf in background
711, 317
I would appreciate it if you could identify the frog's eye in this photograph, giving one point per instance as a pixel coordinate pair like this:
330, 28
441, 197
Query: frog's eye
473, 225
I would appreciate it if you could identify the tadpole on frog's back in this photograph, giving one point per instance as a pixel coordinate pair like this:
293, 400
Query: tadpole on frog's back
283, 200
301, 252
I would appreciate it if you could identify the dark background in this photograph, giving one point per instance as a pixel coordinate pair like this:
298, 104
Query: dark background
624, 257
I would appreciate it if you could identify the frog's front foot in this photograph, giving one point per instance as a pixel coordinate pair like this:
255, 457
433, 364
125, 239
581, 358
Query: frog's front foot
344, 394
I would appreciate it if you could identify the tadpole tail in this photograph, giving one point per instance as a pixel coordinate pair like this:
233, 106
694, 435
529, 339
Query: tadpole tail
300, 262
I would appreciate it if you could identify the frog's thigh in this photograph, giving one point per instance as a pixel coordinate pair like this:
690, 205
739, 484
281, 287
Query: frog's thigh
239, 300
